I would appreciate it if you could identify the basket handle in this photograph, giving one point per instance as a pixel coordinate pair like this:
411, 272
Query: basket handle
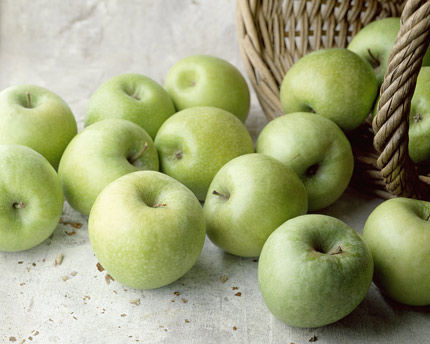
391, 122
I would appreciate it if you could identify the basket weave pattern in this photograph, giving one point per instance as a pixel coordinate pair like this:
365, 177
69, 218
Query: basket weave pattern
273, 34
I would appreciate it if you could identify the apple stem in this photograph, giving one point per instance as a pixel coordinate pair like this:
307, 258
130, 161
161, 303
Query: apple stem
226, 197
417, 117
139, 154
428, 217
178, 155
19, 205
158, 205
28, 100
373, 60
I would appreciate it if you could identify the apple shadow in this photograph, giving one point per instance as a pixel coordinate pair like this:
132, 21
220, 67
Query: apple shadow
378, 316
229, 269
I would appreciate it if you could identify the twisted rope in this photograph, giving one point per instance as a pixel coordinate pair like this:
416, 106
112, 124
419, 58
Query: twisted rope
391, 122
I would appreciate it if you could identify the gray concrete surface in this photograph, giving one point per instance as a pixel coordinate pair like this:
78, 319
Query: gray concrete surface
71, 47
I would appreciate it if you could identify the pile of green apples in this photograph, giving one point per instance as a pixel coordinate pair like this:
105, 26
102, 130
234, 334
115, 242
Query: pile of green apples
147, 228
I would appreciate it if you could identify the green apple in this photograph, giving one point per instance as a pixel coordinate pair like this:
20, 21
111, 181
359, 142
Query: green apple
203, 80
398, 234
35, 117
101, 153
196, 142
316, 149
146, 229
374, 43
31, 199
419, 118
335, 83
133, 97
248, 199
314, 270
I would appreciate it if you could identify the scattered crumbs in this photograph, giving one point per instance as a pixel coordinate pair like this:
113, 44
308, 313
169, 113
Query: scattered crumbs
51, 320
12, 339
165, 330
30, 338
313, 338
34, 264
22, 283
176, 293
172, 300
28, 269
184, 300
100, 267
108, 278
43, 260
135, 302
22, 341
223, 278
187, 321
70, 233
76, 225
115, 292
73, 273
59, 259
20, 262
65, 278
35, 332
123, 315
235, 288
238, 294
234, 328
75, 318
160, 326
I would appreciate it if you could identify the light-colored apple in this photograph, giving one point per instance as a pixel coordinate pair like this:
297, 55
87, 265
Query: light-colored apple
314, 270
248, 199
419, 119
316, 149
196, 142
398, 234
203, 80
133, 97
101, 153
335, 83
146, 229
38, 118
31, 199
374, 43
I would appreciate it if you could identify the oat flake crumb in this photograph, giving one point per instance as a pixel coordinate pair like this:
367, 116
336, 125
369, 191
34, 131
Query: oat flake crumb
12, 339
313, 338
59, 259
135, 302
65, 278
74, 273
223, 278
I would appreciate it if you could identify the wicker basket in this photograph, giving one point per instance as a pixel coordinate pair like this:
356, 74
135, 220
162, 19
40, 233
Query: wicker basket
273, 34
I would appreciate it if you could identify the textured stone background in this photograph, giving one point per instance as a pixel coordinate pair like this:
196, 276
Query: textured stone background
71, 47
